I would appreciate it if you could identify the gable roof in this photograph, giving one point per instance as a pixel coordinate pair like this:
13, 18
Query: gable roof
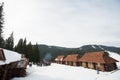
60, 58
97, 57
72, 57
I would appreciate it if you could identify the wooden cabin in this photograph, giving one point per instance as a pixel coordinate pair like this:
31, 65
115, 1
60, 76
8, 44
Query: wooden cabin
59, 59
99, 61
72, 60
11, 65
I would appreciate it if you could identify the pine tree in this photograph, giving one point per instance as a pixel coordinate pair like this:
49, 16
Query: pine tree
36, 53
24, 46
1, 25
9, 43
29, 52
19, 46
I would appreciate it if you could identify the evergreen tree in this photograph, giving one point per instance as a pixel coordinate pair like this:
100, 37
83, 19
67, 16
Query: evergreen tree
19, 46
29, 52
1, 25
9, 43
36, 54
24, 46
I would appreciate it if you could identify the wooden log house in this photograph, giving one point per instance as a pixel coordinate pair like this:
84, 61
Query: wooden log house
60, 59
99, 61
72, 60
11, 65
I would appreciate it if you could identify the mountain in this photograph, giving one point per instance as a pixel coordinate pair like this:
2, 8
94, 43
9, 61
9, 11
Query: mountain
89, 48
54, 51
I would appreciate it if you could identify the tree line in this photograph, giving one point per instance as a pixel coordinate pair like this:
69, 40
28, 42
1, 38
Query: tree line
29, 50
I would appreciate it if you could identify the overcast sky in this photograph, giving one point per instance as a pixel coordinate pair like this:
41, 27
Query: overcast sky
67, 23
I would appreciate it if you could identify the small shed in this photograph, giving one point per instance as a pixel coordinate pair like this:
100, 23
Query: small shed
72, 60
99, 61
60, 59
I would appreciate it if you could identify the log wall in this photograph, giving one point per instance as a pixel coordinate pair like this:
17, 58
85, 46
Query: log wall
8, 71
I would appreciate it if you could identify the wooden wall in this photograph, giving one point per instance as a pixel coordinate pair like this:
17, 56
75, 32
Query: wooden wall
8, 71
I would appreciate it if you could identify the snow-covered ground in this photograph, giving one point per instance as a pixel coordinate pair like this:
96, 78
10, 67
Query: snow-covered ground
65, 72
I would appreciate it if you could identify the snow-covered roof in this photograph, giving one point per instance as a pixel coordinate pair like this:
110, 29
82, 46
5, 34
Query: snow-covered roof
10, 56
59, 58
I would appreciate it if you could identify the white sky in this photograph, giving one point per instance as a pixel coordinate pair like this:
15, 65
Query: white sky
67, 23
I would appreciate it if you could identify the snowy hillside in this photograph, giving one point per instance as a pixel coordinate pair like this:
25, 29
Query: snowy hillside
65, 72
57, 50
